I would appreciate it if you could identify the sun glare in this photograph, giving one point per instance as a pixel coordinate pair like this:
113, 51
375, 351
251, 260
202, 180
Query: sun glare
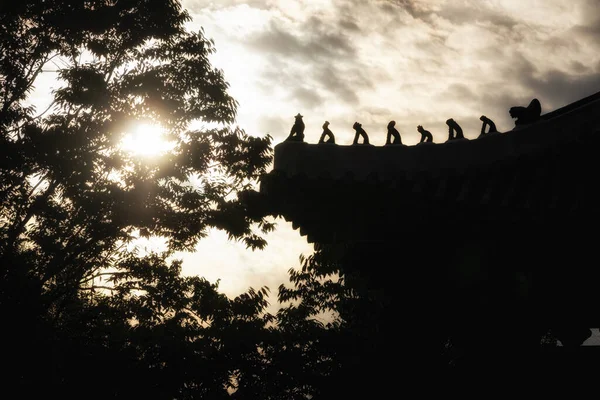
146, 140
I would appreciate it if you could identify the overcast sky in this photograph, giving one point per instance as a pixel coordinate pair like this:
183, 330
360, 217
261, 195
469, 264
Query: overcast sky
372, 61
415, 62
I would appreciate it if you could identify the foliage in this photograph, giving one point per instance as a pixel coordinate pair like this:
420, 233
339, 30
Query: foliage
81, 310
333, 329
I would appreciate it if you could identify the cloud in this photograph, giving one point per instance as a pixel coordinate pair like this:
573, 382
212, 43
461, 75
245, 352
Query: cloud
343, 85
348, 24
557, 88
416, 61
198, 6
273, 125
219, 259
306, 97
277, 41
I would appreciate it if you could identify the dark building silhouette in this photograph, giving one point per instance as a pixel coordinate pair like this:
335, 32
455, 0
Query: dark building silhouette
484, 247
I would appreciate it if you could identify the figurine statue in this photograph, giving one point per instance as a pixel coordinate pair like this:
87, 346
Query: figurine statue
487, 122
297, 131
393, 132
526, 115
426, 136
453, 128
360, 132
327, 134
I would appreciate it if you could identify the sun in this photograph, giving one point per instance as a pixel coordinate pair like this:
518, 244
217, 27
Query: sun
146, 140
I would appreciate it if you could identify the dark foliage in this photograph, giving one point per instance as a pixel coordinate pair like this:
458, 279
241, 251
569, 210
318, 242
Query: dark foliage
84, 315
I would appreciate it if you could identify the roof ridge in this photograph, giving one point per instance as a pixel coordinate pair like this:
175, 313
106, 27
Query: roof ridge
571, 106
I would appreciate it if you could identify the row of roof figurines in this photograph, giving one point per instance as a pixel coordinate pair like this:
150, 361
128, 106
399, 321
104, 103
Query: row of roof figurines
523, 116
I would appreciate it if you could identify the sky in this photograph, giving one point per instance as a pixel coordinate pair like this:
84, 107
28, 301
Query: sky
417, 62
372, 61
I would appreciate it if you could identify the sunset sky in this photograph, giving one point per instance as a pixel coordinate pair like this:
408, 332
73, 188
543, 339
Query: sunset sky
372, 61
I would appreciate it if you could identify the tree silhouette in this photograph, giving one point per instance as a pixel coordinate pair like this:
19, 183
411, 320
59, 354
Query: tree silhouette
377, 331
361, 330
77, 303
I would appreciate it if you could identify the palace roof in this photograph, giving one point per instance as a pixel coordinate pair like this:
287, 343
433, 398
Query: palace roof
529, 175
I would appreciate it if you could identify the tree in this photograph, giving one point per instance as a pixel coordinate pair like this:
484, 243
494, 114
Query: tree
380, 337
76, 301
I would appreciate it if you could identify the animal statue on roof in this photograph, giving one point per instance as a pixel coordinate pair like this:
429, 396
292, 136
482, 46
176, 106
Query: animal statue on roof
487, 123
426, 136
454, 130
392, 132
327, 134
526, 115
297, 131
360, 132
